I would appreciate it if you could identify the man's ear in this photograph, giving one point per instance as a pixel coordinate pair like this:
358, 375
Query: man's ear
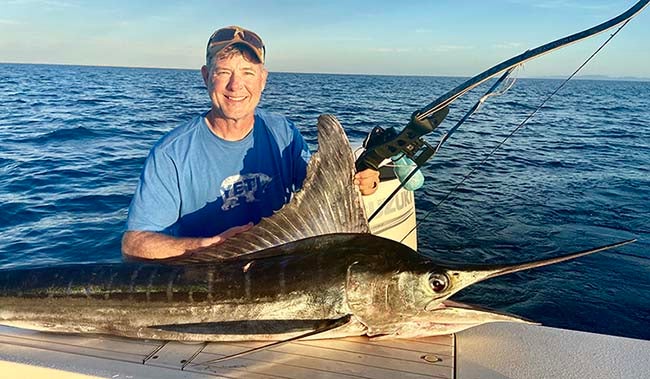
204, 72
265, 74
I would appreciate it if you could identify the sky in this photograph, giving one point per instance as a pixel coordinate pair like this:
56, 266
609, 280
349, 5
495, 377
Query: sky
407, 37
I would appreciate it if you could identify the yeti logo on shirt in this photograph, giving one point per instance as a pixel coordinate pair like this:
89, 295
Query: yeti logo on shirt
242, 188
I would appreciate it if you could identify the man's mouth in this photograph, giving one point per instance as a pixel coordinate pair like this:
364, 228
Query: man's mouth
235, 98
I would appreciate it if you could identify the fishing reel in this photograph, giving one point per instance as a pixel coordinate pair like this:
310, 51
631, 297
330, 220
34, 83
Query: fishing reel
382, 143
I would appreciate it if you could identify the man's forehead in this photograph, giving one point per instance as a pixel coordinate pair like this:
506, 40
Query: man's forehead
237, 62
237, 59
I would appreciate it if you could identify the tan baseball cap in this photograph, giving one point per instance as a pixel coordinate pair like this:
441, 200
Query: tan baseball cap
232, 35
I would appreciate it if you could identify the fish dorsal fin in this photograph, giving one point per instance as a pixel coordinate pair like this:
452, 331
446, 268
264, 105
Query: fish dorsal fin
327, 203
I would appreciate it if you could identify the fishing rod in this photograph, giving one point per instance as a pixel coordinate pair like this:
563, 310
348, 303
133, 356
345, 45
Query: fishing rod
382, 144
516, 129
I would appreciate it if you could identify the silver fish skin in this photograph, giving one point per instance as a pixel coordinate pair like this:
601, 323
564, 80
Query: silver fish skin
297, 287
241, 299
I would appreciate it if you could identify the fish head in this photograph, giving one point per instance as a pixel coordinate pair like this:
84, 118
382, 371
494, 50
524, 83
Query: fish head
402, 287
384, 296
389, 289
410, 299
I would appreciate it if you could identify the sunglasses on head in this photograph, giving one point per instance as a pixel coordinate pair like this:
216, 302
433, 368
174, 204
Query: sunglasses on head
233, 33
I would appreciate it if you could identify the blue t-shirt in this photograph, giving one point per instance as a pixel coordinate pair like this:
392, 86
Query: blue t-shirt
195, 184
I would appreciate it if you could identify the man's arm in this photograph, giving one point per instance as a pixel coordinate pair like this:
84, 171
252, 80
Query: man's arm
153, 245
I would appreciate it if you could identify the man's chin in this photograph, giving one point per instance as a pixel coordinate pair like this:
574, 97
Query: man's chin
237, 116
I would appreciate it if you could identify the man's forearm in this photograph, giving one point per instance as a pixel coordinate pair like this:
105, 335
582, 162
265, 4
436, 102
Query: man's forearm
152, 245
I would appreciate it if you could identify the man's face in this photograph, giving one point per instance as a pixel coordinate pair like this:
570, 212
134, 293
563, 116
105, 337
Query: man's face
235, 86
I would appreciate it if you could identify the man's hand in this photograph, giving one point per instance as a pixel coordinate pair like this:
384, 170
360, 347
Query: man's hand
367, 181
220, 238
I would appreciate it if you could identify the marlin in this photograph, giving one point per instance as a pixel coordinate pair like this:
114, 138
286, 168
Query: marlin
311, 269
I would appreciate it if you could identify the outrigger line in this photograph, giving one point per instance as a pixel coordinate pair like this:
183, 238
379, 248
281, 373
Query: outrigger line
432, 151
382, 144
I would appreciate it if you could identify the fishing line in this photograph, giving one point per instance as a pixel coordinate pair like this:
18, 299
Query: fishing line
515, 130
630, 255
502, 85
510, 81
636, 232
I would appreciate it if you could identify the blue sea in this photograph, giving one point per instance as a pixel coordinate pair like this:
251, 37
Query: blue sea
73, 141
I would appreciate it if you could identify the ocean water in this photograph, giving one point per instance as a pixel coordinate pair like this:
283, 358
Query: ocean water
576, 176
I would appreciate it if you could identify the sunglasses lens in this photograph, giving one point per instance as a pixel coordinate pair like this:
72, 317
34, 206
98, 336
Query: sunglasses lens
223, 35
253, 39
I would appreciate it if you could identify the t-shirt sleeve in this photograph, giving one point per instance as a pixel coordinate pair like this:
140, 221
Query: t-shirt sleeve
155, 205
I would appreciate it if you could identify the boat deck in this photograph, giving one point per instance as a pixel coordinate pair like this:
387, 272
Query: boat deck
490, 351
112, 357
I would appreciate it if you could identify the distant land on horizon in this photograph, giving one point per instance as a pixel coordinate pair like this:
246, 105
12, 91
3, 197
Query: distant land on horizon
596, 77
577, 77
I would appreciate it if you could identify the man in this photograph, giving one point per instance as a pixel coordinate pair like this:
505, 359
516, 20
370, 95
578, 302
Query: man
219, 173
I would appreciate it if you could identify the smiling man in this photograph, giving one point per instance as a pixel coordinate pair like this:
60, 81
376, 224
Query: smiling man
219, 173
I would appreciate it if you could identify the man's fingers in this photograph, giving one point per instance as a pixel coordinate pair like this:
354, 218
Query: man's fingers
236, 230
367, 181
367, 173
220, 238
205, 242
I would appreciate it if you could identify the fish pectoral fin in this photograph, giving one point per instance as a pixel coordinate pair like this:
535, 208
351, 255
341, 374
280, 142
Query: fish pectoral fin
324, 327
245, 327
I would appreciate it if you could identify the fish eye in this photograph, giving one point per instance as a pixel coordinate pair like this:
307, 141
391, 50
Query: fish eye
438, 282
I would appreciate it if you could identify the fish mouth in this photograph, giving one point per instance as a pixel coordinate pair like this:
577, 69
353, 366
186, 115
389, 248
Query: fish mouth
434, 305
453, 312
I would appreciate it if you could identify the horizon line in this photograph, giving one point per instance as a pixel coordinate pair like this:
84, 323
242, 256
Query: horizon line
557, 76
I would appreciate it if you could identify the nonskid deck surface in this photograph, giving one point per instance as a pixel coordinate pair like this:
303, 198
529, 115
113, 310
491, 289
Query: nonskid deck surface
113, 357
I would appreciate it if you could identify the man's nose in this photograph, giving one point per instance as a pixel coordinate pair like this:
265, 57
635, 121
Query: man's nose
235, 82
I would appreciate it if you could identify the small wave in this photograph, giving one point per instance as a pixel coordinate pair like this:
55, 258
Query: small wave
118, 97
67, 134
20, 212
6, 163
614, 109
91, 101
516, 105
94, 203
15, 101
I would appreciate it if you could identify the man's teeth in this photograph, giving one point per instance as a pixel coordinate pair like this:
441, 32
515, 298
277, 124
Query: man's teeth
239, 98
